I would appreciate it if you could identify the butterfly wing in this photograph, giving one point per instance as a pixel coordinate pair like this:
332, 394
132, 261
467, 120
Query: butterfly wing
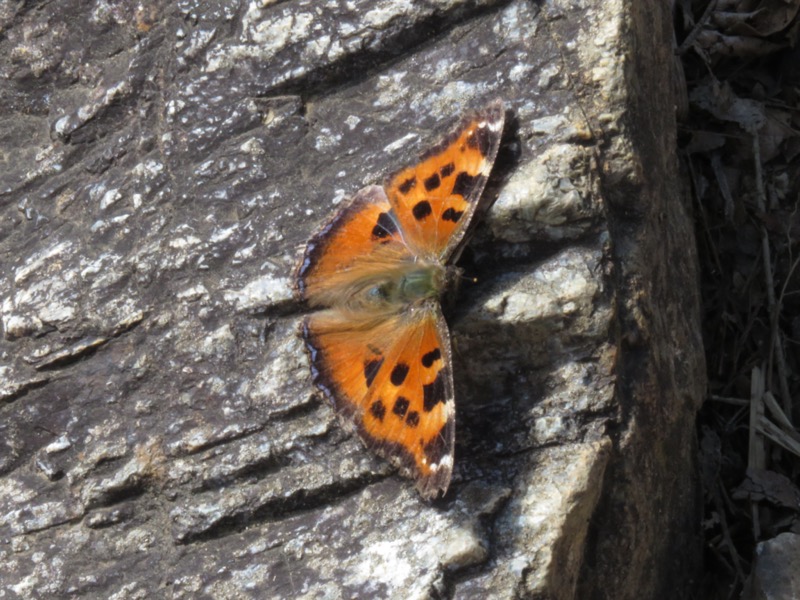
435, 200
392, 378
362, 242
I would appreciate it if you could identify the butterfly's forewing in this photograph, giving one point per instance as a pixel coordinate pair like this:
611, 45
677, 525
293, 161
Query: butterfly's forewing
392, 379
362, 240
435, 200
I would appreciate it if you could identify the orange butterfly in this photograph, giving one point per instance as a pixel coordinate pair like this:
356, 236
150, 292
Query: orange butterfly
380, 348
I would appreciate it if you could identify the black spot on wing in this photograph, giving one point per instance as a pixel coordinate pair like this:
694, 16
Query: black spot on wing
481, 139
452, 215
464, 183
447, 170
371, 368
432, 182
421, 210
430, 357
400, 406
412, 419
377, 409
407, 185
433, 393
385, 227
319, 245
399, 373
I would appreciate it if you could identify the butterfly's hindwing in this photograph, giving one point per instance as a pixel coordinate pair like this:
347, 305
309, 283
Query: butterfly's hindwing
393, 380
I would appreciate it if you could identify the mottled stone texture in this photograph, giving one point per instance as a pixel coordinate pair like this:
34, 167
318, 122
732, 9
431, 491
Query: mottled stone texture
161, 166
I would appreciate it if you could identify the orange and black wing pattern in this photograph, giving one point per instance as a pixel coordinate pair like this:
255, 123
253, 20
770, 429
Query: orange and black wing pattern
380, 349
361, 241
435, 200
392, 379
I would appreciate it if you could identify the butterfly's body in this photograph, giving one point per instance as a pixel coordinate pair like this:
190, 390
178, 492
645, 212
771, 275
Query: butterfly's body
380, 348
414, 283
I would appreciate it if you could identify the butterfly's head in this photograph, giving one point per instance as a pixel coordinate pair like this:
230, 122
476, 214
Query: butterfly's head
454, 278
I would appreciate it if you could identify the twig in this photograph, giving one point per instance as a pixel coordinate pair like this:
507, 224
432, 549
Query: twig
773, 306
782, 418
724, 188
696, 29
778, 436
726, 532
729, 400
756, 457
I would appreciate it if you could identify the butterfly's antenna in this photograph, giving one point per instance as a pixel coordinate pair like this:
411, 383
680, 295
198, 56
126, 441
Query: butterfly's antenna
456, 277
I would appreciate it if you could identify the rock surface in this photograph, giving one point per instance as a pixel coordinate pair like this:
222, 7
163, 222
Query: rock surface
777, 565
162, 166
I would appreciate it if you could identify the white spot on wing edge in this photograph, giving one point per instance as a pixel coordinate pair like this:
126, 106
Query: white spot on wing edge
445, 463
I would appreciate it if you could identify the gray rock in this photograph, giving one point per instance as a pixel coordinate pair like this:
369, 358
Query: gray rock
775, 572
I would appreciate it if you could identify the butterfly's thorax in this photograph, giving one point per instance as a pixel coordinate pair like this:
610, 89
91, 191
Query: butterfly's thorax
412, 283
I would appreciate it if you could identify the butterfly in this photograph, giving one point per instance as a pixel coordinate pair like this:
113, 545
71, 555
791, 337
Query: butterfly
378, 345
